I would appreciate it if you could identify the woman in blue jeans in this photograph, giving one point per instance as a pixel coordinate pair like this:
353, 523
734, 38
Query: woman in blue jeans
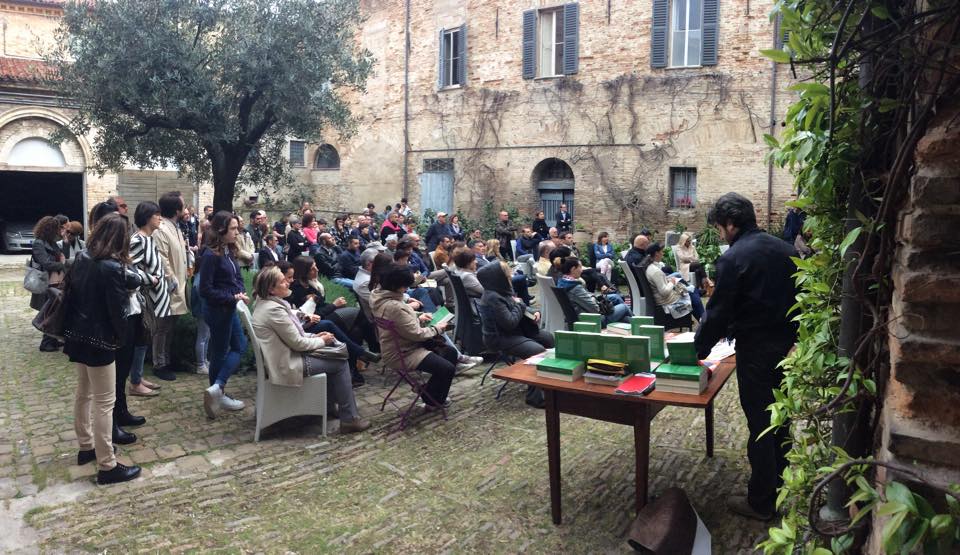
221, 287
581, 299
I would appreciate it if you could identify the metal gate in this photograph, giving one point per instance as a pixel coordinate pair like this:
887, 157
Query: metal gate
550, 202
436, 185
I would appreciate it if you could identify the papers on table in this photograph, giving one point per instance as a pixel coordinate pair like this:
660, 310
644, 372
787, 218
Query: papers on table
722, 350
536, 359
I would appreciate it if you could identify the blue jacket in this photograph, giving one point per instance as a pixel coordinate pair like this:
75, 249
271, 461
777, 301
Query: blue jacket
417, 264
220, 279
434, 233
348, 263
600, 253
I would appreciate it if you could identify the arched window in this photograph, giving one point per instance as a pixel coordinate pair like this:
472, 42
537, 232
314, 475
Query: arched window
36, 152
327, 158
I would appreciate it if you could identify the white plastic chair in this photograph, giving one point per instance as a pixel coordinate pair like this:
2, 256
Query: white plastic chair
513, 248
636, 294
279, 402
551, 316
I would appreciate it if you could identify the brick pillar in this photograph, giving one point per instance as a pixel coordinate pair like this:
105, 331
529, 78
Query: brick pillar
921, 412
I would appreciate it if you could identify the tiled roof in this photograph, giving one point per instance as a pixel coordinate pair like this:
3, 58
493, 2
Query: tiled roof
22, 70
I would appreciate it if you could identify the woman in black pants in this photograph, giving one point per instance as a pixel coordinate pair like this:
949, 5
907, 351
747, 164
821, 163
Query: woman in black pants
407, 340
506, 327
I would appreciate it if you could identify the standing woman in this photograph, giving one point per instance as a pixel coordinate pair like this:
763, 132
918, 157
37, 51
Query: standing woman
221, 287
456, 230
603, 251
540, 226
71, 244
154, 297
94, 327
48, 257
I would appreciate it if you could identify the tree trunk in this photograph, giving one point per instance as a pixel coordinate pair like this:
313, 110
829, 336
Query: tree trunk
226, 163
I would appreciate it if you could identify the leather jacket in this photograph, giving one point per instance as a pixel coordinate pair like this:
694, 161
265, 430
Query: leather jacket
97, 301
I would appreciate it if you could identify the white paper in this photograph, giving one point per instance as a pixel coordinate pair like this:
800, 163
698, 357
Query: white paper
309, 306
722, 350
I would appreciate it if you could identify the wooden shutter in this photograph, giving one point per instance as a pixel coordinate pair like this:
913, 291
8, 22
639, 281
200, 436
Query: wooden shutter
571, 38
442, 65
529, 44
658, 36
462, 64
708, 51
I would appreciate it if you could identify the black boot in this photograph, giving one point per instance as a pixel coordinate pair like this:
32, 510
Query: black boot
121, 437
117, 474
370, 356
127, 419
164, 373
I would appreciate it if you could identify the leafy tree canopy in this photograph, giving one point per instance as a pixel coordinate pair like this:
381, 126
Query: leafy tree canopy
213, 87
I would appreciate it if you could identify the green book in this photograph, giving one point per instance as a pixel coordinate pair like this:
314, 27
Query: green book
560, 369
591, 317
637, 321
566, 345
686, 372
589, 346
442, 315
682, 350
589, 327
637, 353
612, 347
655, 333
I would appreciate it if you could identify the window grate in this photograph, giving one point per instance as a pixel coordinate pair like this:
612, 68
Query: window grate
297, 149
438, 165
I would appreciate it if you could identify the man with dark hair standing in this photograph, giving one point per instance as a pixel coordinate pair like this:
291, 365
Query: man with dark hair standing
753, 295
437, 230
173, 256
257, 228
564, 220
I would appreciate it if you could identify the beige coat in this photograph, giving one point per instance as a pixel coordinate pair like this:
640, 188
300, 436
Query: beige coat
173, 256
665, 291
686, 255
390, 306
282, 343
245, 249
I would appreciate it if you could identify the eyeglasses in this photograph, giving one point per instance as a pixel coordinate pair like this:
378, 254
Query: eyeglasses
121, 205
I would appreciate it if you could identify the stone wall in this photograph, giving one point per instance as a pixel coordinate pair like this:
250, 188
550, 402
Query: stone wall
921, 411
28, 30
619, 124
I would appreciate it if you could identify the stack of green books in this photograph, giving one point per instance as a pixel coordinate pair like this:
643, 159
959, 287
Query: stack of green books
589, 327
682, 350
682, 378
564, 369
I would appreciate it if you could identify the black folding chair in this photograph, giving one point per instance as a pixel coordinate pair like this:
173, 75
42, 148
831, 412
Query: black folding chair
469, 331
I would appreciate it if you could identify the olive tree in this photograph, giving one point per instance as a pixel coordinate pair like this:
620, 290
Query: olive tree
213, 87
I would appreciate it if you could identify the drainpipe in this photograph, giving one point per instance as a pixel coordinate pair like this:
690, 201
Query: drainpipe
406, 98
773, 122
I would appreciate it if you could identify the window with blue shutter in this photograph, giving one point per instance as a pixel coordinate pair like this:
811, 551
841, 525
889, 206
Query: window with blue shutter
452, 66
551, 41
685, 33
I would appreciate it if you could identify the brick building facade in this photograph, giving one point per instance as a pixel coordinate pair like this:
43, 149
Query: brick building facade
582, 116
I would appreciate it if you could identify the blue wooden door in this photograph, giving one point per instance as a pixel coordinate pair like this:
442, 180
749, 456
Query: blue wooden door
436, 191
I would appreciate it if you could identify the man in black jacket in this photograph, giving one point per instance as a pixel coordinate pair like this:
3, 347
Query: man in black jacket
753, 295
564, 220
437, 230
327, 256
349, 261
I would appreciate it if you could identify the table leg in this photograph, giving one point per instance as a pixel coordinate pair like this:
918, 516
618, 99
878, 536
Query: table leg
641, 443
553, 451
708, 414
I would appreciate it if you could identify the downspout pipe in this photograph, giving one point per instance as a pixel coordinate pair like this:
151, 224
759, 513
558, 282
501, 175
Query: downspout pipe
406, 99
773, 122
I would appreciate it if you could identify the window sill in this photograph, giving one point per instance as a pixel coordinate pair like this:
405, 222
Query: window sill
450, 88
547, 77
684, 67
325, 169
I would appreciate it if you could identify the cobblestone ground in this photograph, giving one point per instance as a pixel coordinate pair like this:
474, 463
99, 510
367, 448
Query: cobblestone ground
475, 483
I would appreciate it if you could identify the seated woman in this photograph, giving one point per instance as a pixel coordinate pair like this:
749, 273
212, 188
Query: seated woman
466, 268
581, 299
290, 353
506, 328
315, 323
306, 285
407, 341
603, 252
690, 262
670, 292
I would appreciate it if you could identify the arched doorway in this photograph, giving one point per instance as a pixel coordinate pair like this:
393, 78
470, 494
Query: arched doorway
554, 181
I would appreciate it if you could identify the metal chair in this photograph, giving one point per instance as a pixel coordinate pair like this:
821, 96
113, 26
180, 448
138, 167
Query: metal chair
639, 304
279, 402
660, 317
569, 313
411, 376
551, 315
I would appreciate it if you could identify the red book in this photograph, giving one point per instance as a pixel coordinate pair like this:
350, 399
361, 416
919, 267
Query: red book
637, 384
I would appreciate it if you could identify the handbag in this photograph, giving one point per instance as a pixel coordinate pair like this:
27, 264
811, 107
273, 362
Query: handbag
336, 351
606, 306
49, 319
35, 280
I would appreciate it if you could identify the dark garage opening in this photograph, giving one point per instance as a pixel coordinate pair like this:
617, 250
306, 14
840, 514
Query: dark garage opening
25, 197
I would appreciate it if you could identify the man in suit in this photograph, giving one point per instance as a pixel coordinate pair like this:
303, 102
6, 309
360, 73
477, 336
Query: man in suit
173, 256
751, 301
564, 220
480, 252
268, 253
437, 230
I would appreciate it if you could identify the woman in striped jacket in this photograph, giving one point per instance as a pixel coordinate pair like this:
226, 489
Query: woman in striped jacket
154, 300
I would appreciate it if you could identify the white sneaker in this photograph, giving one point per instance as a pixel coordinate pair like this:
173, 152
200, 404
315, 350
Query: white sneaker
229, 403
212, 397
203, 369
466, 363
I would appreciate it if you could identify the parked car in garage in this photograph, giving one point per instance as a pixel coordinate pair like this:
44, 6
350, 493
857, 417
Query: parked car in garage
18, 237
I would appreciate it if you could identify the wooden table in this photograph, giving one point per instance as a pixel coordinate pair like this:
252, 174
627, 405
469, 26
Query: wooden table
601, 403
